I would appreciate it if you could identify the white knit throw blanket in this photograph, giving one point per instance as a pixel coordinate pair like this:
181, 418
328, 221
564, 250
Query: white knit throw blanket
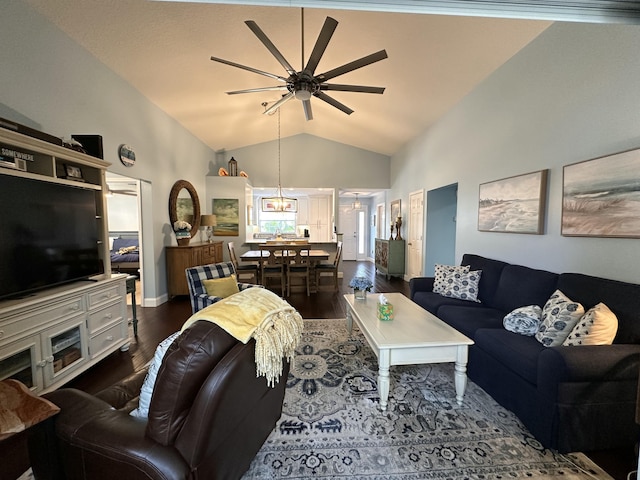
260, 314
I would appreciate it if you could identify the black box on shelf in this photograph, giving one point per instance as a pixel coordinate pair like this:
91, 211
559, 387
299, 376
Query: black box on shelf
92, 144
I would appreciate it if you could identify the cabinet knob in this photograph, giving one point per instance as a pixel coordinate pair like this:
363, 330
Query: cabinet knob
1, 333
110, 338
108, 315
49, 359
41, 363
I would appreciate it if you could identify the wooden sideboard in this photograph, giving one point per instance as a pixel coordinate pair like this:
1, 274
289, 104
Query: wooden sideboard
389, 257
179, 258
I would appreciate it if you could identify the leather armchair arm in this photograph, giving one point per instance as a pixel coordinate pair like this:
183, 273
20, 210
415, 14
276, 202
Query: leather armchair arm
94, 435
420, 284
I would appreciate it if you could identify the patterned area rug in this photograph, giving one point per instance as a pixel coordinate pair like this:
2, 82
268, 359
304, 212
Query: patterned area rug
331, 426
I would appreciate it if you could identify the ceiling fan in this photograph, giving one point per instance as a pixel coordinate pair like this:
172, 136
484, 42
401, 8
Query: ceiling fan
305, 83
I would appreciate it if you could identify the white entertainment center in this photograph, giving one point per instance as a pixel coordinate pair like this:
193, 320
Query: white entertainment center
49, 336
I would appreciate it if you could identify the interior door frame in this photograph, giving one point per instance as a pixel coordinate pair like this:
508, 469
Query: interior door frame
415, 234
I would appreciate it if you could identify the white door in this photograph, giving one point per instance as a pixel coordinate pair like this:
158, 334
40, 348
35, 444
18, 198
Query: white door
415, 234
348, 228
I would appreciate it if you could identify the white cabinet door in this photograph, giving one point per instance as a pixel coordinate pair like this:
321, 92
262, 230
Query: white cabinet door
319, 219
302, 217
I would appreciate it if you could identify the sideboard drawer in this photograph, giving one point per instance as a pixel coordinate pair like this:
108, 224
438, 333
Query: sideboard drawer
105, 340
105, 295
105, 316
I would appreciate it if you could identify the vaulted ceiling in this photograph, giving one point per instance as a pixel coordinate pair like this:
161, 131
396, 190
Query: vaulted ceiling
163, 49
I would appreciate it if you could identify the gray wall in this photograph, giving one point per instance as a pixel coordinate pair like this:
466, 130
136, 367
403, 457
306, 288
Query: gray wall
570, 95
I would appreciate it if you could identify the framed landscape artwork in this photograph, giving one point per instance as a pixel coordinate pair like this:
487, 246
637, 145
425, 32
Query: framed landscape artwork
227, 215
514, 204
601, 197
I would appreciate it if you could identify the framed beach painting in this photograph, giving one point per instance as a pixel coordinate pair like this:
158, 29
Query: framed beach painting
227, 212
514, 204
601, 197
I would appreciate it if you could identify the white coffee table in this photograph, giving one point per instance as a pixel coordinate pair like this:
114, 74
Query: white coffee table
414, 336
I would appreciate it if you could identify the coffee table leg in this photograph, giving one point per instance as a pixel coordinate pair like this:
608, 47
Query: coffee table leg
461, 372
349, 319
383, 378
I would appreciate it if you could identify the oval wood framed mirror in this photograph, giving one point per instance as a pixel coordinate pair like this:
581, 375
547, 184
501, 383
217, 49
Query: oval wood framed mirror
184, 205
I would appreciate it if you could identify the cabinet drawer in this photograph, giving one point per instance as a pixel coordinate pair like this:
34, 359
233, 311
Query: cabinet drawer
102, 296
105, 340
42, 316
105, 316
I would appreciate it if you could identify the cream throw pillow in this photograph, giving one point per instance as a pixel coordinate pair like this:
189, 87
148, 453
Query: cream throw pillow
596, 327
221, 287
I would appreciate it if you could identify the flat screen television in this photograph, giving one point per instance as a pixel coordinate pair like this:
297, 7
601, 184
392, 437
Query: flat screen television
48, 235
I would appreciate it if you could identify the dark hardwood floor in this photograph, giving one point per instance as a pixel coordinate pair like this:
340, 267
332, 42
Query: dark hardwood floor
155, 324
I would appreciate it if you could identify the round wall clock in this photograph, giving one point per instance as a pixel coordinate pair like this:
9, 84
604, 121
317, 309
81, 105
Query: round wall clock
127, 155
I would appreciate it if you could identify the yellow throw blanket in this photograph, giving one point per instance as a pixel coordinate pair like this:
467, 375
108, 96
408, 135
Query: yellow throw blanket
260, 314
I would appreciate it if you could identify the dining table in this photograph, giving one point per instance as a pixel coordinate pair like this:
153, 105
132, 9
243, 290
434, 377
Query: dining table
316, 255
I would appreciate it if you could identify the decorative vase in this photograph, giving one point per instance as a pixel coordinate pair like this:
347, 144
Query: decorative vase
360, 294
398, 225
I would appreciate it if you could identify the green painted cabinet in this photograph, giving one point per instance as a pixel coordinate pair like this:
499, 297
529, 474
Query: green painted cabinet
389, 256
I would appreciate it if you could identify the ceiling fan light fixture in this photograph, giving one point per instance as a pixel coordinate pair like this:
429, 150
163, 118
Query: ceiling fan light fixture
302, 95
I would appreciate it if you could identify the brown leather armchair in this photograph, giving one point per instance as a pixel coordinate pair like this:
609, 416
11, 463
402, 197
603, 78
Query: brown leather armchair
209, 415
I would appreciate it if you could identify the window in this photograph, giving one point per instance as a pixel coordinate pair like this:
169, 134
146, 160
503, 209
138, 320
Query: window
277, 222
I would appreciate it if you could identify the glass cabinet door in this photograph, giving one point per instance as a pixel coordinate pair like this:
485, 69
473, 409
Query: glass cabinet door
22, 361
66, 349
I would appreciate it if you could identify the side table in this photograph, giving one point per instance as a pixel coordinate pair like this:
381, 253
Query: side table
131, 288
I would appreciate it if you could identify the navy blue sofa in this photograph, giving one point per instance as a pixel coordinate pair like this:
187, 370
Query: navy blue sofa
571, 398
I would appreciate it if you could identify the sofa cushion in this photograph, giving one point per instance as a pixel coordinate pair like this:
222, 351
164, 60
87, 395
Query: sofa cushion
433, 301
519, 286
523, 320
596, 327
559, 315
187, 363
469, 317
491, 270
442, 274
620, 297
518, 352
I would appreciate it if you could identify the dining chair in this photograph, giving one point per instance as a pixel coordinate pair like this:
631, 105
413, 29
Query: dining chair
272, 265
298, 265
243, 270
329, 268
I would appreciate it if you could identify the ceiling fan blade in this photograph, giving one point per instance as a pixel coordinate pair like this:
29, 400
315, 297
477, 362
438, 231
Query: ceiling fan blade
348, 67
262, 89
279, 103
351, 88
308, 114
270, 46
335, 103
250, 69
326, 33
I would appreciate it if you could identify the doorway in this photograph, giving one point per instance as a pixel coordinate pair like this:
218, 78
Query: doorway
124, 220
415, 234
354, 227
442, 206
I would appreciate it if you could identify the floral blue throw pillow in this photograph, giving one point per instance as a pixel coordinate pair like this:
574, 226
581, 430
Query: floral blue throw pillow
442, 272
523, 320
559, 316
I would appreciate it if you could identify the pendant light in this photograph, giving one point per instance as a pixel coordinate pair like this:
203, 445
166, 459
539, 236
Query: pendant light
279, 203
357, 204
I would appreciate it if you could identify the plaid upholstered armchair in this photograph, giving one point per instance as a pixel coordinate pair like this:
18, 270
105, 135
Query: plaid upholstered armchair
196, 277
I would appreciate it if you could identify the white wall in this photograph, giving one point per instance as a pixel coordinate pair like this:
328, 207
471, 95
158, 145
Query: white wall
570, 95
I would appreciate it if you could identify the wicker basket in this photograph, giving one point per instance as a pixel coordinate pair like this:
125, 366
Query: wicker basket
183, 241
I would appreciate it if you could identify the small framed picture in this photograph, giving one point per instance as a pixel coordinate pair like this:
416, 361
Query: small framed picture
73, 172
